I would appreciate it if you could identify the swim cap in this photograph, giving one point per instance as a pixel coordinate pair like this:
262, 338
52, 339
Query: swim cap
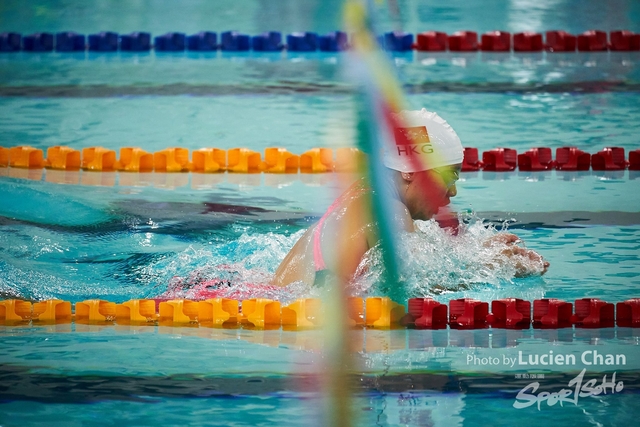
424, 141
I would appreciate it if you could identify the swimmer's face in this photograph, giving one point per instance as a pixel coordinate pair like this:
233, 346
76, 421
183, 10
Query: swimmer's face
427, 191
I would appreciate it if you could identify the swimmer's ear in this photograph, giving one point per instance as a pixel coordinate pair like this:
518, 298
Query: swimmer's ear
407, 176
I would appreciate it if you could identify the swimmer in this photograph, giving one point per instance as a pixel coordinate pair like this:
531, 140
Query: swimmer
336, 244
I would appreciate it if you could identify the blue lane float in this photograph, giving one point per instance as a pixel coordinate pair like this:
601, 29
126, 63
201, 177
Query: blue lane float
233, 41
170, 42
136, 42
267, 42
302, 42
334, 41
397, 41
203, 41
38, 42
69, 41
10, 42
105, 41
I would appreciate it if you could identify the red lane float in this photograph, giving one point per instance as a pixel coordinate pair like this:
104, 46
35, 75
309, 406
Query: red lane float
468, 313
572, 159
592, 41
427, 313
496, 41
634, 160
470, 161
528, 42
510, 313
463, 41
560, 41
593, 313
624, 41
536, 159
499, 160
551, 313
609, 159
431, 41
628, 313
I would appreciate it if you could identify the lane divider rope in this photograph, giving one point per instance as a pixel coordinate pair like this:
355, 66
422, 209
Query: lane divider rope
307, 313
233, 41
315, 160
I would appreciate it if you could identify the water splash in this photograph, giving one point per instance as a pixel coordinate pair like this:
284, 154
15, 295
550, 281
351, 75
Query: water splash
478, 262
239, 269
241, 264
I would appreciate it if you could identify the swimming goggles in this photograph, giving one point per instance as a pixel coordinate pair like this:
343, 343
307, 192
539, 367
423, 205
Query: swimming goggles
449, 175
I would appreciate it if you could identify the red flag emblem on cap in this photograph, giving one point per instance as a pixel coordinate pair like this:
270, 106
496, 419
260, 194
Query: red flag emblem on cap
412, 135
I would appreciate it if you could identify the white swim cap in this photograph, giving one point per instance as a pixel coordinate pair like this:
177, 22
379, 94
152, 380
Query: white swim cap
424, 141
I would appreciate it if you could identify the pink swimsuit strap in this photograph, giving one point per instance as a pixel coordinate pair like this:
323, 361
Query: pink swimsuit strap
354, 191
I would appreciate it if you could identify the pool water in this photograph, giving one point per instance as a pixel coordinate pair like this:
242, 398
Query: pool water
118, 236
74, 374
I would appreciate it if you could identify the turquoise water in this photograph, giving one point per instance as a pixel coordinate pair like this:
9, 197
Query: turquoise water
76, 374
117, 236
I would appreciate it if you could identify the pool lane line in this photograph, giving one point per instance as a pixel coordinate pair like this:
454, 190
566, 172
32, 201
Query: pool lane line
222, 306
304, 88
20, 383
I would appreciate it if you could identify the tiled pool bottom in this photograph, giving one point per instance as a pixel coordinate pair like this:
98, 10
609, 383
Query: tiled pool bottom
75, 374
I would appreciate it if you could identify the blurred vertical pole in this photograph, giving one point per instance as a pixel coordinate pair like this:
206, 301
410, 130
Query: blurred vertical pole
379, 98
338, 382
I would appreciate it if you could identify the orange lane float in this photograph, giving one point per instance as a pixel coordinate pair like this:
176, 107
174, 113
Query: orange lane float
26, 157
243, 160
98, 159
317, 160
62, 158
178, 311
4, 157
53, 310
355, 311
174, 159
261, 312
382, 312
208, 160
280, 160
302, 313
13, 310
218, 311
95, 310
134, 159
140, 310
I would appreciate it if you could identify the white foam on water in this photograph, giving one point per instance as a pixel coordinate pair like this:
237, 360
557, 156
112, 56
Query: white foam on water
477, 262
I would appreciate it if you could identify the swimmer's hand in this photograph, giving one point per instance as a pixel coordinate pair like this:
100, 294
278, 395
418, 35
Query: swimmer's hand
525, 261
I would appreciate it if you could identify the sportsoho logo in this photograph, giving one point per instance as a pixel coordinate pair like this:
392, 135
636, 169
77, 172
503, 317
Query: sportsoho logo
412, 141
